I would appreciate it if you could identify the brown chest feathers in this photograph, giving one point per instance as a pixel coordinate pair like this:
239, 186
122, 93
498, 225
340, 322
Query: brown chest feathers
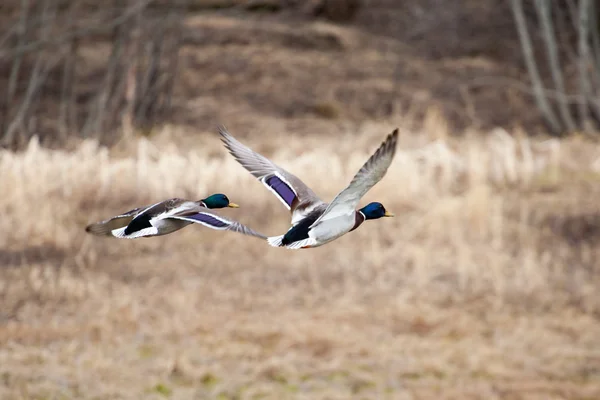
359, 218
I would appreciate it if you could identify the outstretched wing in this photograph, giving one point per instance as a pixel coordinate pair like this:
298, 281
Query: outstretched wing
215, 221
372, 171
289, 189
104, 228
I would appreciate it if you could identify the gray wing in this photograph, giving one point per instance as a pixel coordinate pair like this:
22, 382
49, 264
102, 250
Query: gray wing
289, 189
104, 228
213, 220
371, 172
162, 207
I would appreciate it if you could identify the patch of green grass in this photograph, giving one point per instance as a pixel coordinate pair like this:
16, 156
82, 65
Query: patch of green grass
279, 378
146, 351
290, 387
209, 380
326, 110
162, 389
228, 396
411, 375
5, 378
481, 374
426, 373
436, 373
338, 375
306, 377
361, 385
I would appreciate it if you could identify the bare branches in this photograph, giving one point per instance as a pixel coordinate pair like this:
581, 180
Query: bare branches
528, 55
583, 29
578, 90
132, 76
160, 56
543, 9
176, 34
54, 84
96, 119
103, 26
16, 65
38, 75
66, 118
22, 32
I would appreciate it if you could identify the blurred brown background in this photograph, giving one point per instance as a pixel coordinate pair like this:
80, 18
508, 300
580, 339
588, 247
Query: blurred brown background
485, 285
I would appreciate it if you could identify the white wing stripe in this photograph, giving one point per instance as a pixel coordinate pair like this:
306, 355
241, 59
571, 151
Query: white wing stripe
120, 233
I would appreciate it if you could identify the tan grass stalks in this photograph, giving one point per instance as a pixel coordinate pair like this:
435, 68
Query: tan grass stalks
464, 224
482, 287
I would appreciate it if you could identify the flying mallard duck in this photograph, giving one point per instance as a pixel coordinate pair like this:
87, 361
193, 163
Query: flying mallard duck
315, 222
169, 216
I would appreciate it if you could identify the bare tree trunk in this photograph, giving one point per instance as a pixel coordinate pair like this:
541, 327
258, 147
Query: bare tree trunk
37, 78
128, 118
156, 76
573, 14
66, 117
564, 26
177, 25
112, 70
545, 16
584, 8
594, 70
149, 78
16, 65
595, 34
538, 88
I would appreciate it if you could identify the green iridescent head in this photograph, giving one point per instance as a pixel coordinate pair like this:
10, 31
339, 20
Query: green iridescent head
218, 200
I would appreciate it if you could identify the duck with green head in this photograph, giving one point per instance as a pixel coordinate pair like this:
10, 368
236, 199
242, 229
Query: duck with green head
314, 222
169, 216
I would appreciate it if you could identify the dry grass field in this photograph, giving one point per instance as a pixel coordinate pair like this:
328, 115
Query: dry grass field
485, 286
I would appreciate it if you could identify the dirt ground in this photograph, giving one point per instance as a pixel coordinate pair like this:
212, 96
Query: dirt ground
391, 59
